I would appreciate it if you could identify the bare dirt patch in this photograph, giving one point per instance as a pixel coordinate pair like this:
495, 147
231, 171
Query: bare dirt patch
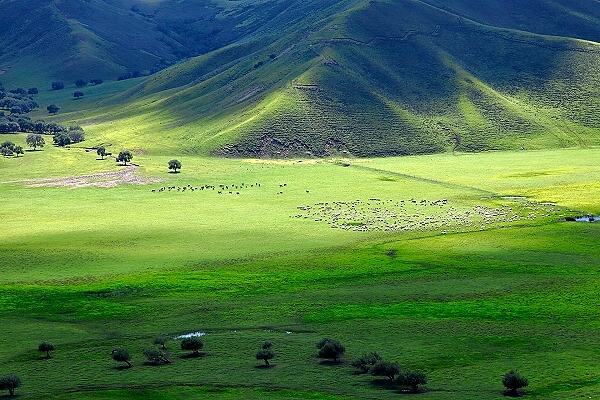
105, 179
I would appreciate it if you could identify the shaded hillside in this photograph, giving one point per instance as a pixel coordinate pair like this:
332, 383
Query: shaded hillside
377, 78
43, 40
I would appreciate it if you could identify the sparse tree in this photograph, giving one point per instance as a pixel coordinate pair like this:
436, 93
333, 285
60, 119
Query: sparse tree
411, 379
121, 355
160, 340
330, 348
514, 381
266, 353
58, 85
18, 150
53, 108
80, 82
174, 165
156, 356
101, 151
385, 368
193, 344
35, 140
77, 95
366, 361
10, 382
47, 347
124, 156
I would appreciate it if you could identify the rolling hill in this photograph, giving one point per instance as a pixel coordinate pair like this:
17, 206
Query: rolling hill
370, 78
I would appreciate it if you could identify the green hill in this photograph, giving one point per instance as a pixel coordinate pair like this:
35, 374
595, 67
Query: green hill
371, 78
374, 79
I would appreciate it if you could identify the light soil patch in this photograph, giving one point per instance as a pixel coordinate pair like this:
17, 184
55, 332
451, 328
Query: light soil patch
105, 179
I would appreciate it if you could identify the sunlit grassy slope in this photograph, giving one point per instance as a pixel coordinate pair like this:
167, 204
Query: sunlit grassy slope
93, 268
371, 79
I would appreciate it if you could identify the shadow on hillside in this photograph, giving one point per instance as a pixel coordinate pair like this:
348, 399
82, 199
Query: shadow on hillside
193, 355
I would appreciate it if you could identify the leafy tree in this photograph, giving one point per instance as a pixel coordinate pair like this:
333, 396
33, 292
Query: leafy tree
80, 82
16, 110
96, 81
10, 382
124, 156
330, 348
9, 127
76, 134
412, 379
193, 343
385, 368
366, 361
78, 95
58, 85
174, 165
6, 152
157, 356
121, 355
53, 108
160, 340
514, 381
35, 140
33, 90
7, 145
266, 353
47, 347
61, 139
18, 150
101, 151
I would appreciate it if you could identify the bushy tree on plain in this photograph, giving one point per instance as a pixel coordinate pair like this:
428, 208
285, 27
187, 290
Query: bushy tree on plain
53, 108
514, 381
35, 140
266, 353
121, 355
193, 344
101, 151
47, 347
124, 156
411, 379
80, 82
366, 361
10, 382
58, 85
385, 368
160, 340
330, 348
18, 150
77, 95
157, 356
174, 165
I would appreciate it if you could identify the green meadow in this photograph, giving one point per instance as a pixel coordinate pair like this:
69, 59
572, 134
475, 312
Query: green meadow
461, 266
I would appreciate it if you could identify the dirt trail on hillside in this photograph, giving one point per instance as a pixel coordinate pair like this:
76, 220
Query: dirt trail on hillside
104, 179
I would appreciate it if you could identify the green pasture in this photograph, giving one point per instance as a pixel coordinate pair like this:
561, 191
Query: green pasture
93, 268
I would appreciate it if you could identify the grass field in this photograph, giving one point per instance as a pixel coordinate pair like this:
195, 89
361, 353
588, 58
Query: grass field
480, 281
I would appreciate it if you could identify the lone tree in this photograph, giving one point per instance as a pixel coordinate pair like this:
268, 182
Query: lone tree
35, 140
412, 379
18, 150
101, 151
156, 356
385, 368
58, 85
47, 347
162, 341
80, 82
366, 361
53, 108
514, 381
10, 382
174, 165
193, 344
330, 348
77, 95
121, 355
124, 156
266, 353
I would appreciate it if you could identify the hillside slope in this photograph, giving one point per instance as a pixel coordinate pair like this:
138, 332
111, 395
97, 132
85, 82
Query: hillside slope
377, 78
